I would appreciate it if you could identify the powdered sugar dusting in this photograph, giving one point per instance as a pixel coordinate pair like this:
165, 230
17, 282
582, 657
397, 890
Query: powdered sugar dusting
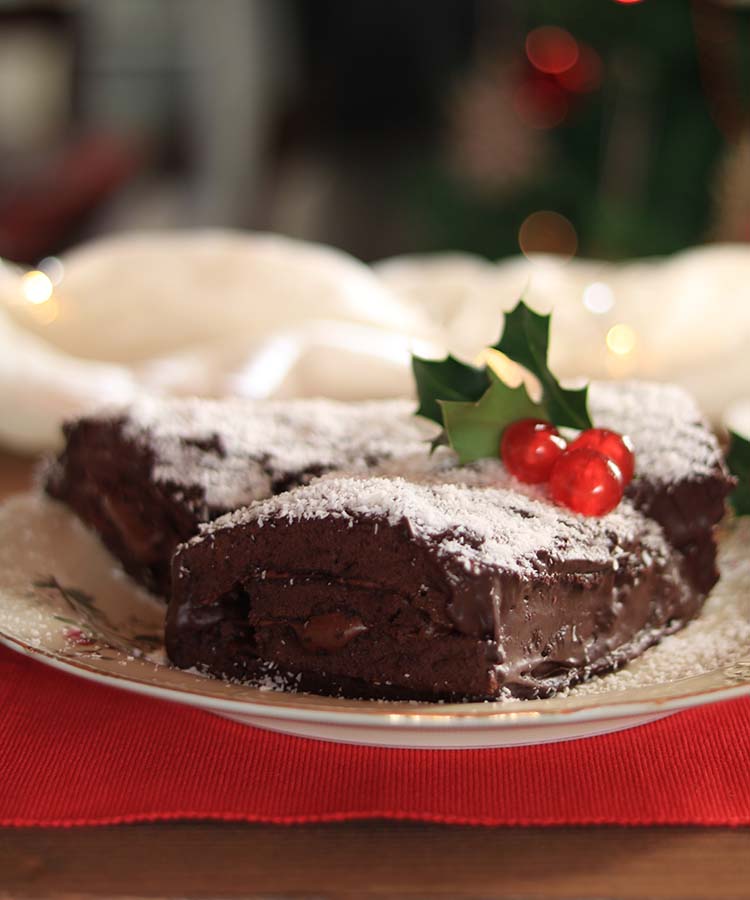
496, 527
239, 451
236, 451
441, 467
720, 636
671, 439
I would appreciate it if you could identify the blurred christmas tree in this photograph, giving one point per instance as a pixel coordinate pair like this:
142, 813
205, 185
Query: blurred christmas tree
612, 114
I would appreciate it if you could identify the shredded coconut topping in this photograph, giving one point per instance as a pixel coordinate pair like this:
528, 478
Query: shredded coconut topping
238, 451
218, 455
494, 527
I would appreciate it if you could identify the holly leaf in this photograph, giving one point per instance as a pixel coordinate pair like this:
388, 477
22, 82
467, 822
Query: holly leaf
446, 379
474, 405
525, 340
739, 465
475, 429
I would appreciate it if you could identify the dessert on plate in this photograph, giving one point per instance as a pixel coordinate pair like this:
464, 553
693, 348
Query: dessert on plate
448, 582
550, 540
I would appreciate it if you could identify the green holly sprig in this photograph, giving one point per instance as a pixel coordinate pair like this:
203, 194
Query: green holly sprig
474, 405
738, 460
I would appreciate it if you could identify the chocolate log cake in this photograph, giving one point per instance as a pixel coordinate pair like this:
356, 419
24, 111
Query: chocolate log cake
382, 587
424, 580
146, 476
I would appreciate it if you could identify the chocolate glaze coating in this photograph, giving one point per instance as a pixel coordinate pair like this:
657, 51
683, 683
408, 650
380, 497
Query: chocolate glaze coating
394, 618
422, 626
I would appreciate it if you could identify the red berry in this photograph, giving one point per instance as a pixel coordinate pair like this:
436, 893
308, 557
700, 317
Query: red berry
530, 448
617, 447
587, 482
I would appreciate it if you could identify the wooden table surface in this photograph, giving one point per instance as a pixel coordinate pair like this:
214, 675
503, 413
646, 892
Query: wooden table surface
368, 859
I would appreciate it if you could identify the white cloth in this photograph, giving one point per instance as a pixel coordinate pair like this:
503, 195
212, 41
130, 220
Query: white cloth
220, 312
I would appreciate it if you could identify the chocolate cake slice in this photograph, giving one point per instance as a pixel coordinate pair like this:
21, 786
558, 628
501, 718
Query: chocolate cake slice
429, 581
146, 476
381, 587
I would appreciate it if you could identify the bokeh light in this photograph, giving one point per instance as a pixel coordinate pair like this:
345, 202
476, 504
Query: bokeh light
621, 340
510, 372
53, 269
598, 298
548, 232
628, 2
36, 287
551, 49
45, 313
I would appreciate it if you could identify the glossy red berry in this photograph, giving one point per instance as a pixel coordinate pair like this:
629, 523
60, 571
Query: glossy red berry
617, 447
587, 482
530, 448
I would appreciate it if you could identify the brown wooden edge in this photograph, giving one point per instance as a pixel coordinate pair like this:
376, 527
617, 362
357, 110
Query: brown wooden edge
378, 859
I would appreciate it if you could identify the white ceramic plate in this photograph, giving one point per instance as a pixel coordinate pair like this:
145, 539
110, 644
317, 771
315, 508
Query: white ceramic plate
64, 601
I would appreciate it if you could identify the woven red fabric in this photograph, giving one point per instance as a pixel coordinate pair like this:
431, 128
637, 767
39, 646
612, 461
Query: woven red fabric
75, 753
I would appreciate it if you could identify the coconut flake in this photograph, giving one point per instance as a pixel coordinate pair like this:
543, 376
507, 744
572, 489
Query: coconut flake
237, 451
478, 526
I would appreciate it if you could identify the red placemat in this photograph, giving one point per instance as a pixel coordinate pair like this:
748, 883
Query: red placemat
75, 753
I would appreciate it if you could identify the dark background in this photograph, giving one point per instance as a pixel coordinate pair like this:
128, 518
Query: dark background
381, 127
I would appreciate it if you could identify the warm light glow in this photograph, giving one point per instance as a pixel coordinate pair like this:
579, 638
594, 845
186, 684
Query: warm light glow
510, 372
551, 50
547, 232
628, 2
45, 313
621, 340
598, 298
36, 287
